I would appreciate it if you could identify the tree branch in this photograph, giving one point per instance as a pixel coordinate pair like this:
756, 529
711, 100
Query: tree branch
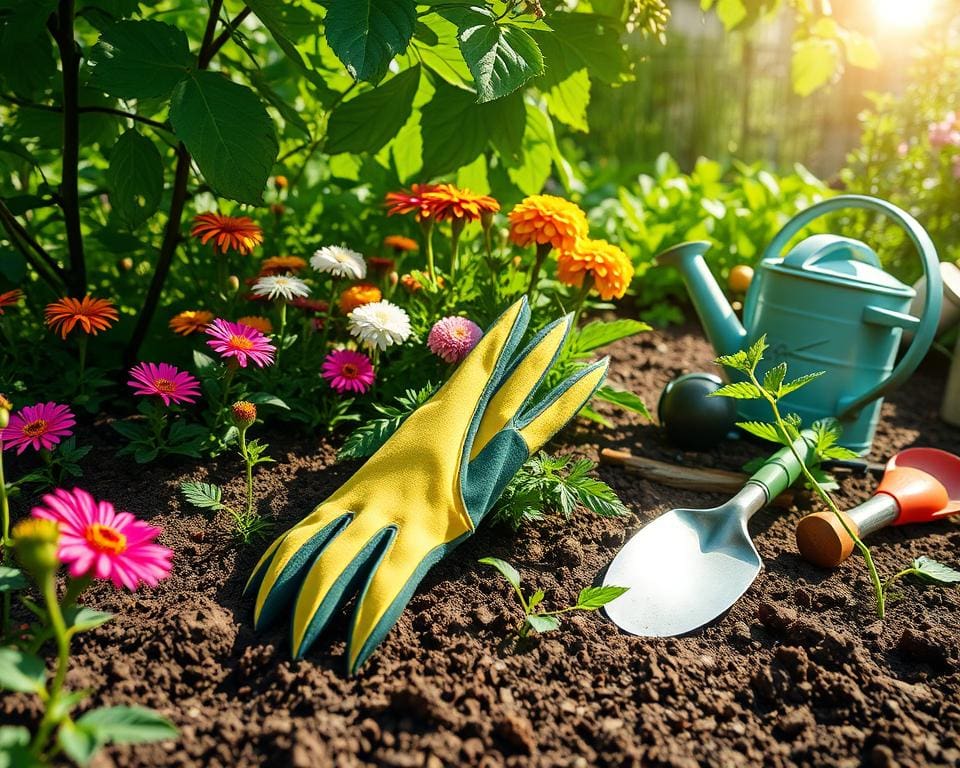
92, 108
69, 180
223, 37
31, 250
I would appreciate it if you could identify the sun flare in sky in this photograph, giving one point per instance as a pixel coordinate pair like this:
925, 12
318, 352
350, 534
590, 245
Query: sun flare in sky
903, 15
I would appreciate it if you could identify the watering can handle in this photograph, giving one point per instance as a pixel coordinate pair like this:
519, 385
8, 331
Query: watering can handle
930, 317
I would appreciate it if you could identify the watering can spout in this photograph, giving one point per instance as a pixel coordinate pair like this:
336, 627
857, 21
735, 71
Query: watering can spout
724, 330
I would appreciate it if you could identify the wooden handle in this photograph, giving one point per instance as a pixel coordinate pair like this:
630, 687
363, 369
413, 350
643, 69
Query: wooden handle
689, 478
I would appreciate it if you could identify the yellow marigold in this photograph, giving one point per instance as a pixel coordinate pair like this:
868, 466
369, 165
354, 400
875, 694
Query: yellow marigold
547, 219
190, 321
262, 324
358, 295
609, 267
400, 244
282, 265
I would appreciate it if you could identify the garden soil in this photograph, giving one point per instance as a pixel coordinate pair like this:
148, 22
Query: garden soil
799, 672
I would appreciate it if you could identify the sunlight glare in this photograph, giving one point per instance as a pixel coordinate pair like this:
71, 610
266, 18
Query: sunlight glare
903, 15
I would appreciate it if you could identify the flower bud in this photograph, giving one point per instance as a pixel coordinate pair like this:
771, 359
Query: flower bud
35, 542
394, 279
244, 413
277, 209
280, 182
5, 407
233, 283
125, 264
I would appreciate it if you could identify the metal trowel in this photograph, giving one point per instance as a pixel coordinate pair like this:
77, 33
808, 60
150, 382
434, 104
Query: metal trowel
690, 565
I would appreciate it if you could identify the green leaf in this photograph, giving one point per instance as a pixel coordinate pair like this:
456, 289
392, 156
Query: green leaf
731, 12
814, 63
568, 99
265, 398
936, 573
127, 725
801, 381
82, 618
762, 430
140, 59
366, 123
501, 57
506, 570
202, 362
739, 390
15, 748
228, 132
11, 579
592, 598
586, 40
367, 34
756, 350
626, 400
202, 495
599, 333
774, 378
536, 599
541, 623
78, 742
135, 178
861, 50
21, 672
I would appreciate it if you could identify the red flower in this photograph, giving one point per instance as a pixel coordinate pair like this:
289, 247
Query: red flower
239, 233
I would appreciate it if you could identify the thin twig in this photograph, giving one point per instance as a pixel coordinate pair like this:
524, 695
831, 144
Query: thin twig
31, 250
86, 109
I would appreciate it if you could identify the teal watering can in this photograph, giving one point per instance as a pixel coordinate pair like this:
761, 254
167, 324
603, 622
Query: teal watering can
827, 305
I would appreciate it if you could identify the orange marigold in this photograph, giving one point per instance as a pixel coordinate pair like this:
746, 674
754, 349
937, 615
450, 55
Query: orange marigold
262, 324
358, 295
400, 244
446, 201
190, 321
609, 267
411, 200
91, 314
9, 298
547, 219
282, 265
239, 233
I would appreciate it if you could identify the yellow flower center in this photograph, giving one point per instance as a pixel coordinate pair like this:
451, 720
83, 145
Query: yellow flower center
241, 342
164, 385
35, 428
106, 539
460, 333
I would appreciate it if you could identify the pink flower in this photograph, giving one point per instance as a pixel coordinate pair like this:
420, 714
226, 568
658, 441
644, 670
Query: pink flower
452, 338
165, 381
240, 342
96, 539
944, 133
39, 426
348, 371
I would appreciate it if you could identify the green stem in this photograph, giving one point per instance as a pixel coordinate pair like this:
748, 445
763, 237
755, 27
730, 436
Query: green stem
827, 499
427, 226
582, 298
456, 229
49, 722
542, 250
249, 466
282, 334
82, 353
227, 381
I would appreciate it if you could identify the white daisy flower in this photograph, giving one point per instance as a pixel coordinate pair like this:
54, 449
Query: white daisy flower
339, 262
379, 324
282, 287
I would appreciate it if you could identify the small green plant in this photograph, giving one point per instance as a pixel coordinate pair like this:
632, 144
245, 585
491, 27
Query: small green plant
365, 440
926, 570
157, 434
785, 430
535, 618
248, 523
547, 485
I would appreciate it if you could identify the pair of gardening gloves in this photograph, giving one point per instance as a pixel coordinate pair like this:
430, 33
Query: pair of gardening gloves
424, 491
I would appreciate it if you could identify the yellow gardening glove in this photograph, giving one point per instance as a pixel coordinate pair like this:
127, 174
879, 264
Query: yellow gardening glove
424, 491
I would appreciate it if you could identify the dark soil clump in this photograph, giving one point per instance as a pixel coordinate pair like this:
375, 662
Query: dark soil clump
799, 672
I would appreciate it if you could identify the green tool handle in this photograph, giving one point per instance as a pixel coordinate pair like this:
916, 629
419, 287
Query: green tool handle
781, 470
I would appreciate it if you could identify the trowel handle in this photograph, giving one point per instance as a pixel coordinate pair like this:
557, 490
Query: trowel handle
924, 331
781, 470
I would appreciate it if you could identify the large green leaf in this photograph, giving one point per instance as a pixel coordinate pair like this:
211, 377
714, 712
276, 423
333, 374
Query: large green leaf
228, 132
815, 61
366, 123
599, 333
456, 128
585, 40
501, 57
367, 34
567, 100
21, 672
11, 579
535, 161
140, 59
135, 178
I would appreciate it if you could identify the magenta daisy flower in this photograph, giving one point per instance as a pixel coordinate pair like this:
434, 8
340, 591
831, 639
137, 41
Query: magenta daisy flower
39, 426
240, 342
96, 539
453, 337
165, 381
348, 371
